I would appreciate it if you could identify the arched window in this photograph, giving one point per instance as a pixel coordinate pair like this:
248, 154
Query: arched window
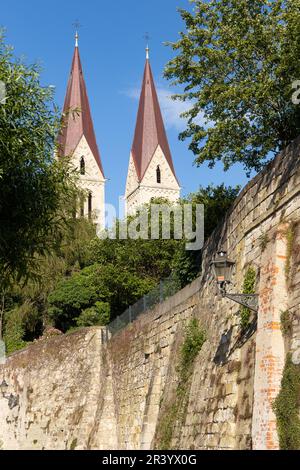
90, 207
158, 175
82, 166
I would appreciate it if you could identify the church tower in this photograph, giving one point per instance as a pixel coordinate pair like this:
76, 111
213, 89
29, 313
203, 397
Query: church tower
151, 171
78, 141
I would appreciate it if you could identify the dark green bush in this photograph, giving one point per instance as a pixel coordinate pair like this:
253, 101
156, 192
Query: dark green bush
99, 314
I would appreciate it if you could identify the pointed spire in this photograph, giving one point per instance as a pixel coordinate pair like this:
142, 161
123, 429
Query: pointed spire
150, 130
77, 124
147, 52
76, 39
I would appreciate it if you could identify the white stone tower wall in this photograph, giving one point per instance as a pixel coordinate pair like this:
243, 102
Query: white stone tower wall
93, 181
138, 194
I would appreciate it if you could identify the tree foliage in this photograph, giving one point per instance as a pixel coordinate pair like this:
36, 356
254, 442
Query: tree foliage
237, 60
116, 276
99, 314
71, 297
216, 200
26, 304
36, 191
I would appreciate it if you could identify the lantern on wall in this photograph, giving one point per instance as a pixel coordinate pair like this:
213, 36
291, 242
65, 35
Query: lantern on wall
222, 269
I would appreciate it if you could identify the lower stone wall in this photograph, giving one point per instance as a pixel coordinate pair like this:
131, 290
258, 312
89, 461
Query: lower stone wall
55, 385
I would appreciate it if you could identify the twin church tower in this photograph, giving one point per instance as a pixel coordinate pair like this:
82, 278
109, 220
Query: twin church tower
151, 172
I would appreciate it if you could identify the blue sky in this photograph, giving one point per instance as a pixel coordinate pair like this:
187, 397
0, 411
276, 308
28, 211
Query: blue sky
112, 51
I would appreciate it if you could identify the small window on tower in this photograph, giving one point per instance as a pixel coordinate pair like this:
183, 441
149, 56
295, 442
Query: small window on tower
90, 207
158, 175
82, 166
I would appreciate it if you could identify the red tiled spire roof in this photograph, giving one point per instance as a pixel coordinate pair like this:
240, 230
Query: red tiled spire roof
75, 126
150, 130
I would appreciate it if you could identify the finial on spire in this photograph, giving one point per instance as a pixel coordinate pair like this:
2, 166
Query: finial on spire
147, 38
76, 25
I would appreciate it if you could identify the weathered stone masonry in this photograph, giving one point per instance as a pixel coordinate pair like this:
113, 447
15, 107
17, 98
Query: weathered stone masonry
77, 391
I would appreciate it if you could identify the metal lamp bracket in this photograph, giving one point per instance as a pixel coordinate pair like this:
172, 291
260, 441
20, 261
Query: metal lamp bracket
247, 300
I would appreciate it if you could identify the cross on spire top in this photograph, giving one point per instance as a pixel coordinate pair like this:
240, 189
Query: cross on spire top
147, 39
76, 25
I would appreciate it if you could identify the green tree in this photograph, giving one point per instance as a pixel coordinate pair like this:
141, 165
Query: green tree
71, 297
107, 283
99, 314
237, 60
26, 305
36, 191
216, 200
148, 258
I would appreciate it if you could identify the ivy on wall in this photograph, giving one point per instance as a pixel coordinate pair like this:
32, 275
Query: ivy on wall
286, 323
248, 288
290, 237
286, 407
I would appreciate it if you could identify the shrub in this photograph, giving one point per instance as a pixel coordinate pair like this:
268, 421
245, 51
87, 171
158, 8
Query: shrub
71, 297
99, 314
195, 337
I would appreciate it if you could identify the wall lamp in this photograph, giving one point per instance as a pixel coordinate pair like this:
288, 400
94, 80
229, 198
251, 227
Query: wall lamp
222, 268
12, 400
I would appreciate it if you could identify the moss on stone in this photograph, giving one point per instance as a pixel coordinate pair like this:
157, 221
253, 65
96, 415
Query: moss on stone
73, 444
